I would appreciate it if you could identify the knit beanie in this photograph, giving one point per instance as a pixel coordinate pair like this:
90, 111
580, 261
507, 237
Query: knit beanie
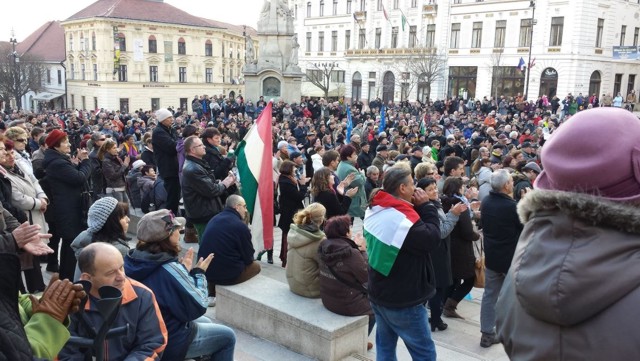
99, 212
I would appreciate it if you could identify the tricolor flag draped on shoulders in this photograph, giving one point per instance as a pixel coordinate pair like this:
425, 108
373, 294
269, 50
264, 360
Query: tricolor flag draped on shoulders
382, 120
349, 125
386, 225
256, 174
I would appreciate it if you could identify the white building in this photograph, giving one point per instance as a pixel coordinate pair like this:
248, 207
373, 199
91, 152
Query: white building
571, 45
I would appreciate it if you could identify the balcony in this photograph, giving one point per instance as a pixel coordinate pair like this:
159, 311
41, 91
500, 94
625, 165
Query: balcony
429, 9
392, 52
360, 15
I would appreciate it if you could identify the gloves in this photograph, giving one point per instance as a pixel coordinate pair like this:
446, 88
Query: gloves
59, 299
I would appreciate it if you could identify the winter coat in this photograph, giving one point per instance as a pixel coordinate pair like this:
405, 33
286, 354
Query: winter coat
441, 255
66, 181
501, 229
201, 191
334, 204
520, 183
359, 200
181, 295
291, 196
97, 177
348, 262
26, 196
463, 259
85, 238
484, 182
164, 151
571, 292
114, 171
303, 260
134, 190
229, 238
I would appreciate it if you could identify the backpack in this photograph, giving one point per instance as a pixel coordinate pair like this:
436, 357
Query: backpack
157, 197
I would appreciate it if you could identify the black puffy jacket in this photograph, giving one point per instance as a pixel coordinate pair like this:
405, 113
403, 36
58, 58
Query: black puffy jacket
201, 191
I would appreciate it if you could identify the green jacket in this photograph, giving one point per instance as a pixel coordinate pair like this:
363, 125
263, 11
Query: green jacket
359, 201
46, 335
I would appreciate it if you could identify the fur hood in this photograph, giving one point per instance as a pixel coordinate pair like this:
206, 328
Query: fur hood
591, 209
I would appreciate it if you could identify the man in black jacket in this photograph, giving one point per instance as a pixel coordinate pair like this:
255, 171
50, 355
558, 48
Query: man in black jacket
166, 157
501, 228
201, 191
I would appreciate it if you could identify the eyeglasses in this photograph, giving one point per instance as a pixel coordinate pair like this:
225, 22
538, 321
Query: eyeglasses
21, 140
102, 139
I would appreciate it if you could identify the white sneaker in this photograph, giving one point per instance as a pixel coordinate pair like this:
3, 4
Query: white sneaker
212, 302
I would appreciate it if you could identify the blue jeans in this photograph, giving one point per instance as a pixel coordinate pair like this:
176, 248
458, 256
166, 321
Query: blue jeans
492, 285
411, 324
212, 339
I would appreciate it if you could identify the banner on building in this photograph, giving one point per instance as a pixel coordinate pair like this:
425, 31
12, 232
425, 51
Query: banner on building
626, 52
168, 51
116, 50
138, 50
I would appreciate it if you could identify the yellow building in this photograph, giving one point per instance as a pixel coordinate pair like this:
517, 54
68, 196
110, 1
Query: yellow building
145, 54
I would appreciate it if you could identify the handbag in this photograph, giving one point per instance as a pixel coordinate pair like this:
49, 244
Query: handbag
479, 280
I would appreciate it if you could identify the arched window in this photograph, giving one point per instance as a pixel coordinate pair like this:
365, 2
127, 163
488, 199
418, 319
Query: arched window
356, 86
423, 88
594, 83
321, 8
208, 48
153, 44
549, 82
93, 41
309, 9
122, 42
71, 42
388, 87
182, 47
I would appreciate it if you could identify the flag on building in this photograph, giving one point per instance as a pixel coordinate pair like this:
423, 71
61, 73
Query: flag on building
521, 64
532, 63
382, 120
384, 11
349, 125
256, 174
386, 225
404, 21
354, 17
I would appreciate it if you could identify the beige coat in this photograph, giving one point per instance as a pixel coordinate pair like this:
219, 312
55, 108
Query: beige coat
303, 260
573, 290
27, 196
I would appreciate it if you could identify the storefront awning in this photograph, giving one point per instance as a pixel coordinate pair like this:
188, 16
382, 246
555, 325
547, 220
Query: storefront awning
45, 96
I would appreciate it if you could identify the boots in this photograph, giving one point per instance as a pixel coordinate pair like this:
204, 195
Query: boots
270, 256
449, 309
190, 235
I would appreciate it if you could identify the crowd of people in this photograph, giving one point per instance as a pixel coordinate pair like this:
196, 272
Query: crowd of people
451, 173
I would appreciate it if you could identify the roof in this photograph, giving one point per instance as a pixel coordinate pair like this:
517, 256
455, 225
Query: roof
46, 43
238, 29
145, 10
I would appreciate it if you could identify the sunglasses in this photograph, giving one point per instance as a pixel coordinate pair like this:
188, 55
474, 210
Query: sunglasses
21, 140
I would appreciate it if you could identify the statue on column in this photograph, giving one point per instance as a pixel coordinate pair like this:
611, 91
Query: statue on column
250, 51
293, 59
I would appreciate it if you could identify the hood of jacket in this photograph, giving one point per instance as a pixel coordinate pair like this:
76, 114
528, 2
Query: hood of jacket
51, 155
334, 250
302, 235
140, 264
574, 255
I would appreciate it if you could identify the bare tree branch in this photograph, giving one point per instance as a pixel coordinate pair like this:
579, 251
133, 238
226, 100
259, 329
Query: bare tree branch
426, 66
320, 76
20, 75
495, 62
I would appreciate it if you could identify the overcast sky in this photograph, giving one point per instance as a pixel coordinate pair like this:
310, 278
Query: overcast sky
25, 16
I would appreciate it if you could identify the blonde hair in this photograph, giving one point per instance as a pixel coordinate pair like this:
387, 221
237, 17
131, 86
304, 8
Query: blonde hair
14, 132
314, 213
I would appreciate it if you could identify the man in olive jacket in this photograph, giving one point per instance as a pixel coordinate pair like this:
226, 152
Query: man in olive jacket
200, 190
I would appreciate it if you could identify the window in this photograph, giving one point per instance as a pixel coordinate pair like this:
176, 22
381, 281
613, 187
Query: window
309, 9
321, 41
95, 72
635, 36
48, 76
95, 102
122, 42
82, 72
335, 7
122, 73
208, 48
501, 32
182, 47
60, 76
73, 71
414, 3
71, 42
337, 76
153, 73
73, 101
363, 5
372, 75
623, 34
334, 40
617, 84
525, 33
557, 25
396, 4
378, 37
321, 12
347, 39
208, 75
84, 102
362, 38
155, 104
455, 36
182, 74
476, 35
222, 50
379, 6
349, 6
93, 41
631, 83
394, 37
153, 45
599, 33
308, 44
413, 35
431, 36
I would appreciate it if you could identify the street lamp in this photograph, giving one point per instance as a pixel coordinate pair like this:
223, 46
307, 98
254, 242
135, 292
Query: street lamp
15, 76
532, 4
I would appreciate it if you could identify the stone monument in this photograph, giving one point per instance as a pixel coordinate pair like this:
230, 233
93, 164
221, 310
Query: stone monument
274, 73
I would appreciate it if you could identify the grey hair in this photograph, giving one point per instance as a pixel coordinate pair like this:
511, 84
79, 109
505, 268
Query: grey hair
394, 177
499, 179
233, 200
372, 169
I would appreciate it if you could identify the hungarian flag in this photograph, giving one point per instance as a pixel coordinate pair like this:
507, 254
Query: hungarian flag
384, 11
386, 225
404, 21
256, 176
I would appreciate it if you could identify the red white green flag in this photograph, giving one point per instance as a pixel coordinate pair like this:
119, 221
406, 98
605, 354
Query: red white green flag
256, 177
